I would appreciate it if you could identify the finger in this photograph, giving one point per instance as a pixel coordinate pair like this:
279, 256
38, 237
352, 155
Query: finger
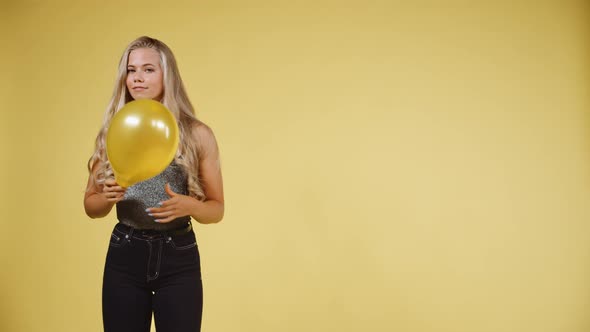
169, 190
163, 214
114, 195
165, 220
120, 197
164, 206
110, 182
115, 189
160, 210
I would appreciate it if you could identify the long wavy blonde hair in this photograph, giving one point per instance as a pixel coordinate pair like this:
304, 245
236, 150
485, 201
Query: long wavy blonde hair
174, 98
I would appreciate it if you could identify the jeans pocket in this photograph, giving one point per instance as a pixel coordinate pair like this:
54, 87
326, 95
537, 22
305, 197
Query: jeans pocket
117, 240
182, 242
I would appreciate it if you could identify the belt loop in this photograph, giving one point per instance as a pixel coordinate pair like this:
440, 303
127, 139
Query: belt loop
128, 236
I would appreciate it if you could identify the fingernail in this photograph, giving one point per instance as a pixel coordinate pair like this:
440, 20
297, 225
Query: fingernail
147, 210
160, 204
157, 220
151, 215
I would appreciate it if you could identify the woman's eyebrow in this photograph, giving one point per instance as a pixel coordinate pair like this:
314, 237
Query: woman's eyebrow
144, 65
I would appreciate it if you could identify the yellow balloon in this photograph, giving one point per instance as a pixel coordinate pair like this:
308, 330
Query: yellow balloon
141, 141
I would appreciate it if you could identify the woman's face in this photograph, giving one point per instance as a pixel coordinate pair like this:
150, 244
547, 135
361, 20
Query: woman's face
144, 74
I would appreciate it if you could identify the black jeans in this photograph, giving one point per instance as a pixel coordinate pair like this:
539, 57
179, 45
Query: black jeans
152, 270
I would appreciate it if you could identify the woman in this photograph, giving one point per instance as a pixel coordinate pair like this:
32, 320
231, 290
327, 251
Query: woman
153, 262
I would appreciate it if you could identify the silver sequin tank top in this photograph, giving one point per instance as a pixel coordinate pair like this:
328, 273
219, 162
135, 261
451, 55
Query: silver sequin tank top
147, 194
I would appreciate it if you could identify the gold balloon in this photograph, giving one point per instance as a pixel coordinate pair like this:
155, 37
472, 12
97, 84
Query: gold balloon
141, 141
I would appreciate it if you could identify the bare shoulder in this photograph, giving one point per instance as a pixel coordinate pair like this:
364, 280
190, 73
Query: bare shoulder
202, 131
205, 138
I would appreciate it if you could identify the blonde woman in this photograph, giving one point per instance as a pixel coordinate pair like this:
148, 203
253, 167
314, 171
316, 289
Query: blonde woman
153, 261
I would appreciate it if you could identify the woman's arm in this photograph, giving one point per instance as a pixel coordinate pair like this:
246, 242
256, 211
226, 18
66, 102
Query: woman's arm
100, 199
212, 209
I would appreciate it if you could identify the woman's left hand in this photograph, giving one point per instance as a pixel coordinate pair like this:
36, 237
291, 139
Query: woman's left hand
177, 206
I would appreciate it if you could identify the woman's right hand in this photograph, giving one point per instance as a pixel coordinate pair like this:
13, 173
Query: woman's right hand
112, 191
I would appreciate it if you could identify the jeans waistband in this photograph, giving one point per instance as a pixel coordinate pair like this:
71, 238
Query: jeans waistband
153, 233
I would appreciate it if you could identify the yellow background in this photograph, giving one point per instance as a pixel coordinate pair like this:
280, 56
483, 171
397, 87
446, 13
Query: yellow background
388, 166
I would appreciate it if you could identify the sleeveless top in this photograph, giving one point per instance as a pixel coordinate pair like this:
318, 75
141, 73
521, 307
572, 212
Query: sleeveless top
147, 194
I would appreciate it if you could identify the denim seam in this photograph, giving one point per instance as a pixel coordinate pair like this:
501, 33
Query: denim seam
143, 239
183, 247
159, 258
149, 278
118, 244
149, 259
170, 240
120, 232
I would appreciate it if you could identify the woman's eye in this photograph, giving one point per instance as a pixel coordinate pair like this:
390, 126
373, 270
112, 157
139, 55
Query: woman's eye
131, 70
150, 70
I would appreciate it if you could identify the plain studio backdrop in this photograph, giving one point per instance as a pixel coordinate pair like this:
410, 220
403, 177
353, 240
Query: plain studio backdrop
412, 166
